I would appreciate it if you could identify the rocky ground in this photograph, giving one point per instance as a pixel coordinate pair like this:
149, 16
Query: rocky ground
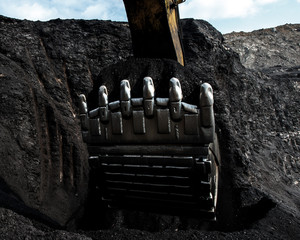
44, 174
264, 48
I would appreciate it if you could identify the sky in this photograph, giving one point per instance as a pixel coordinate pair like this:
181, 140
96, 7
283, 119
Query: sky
225, 15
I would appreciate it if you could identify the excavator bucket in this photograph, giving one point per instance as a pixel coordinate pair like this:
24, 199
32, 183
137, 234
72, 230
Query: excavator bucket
151, 153
154, 27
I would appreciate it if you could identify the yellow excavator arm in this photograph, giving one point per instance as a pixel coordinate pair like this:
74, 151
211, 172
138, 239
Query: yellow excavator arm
154, 27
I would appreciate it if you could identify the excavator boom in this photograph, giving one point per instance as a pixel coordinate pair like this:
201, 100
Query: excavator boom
154, 27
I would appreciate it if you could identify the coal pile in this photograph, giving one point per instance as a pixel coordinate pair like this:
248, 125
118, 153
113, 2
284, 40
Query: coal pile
44, 174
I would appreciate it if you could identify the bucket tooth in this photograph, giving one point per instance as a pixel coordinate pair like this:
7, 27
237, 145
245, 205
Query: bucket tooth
206, 105
103, 103
148, 95
83, 112
125, 97
175, 96
82, 104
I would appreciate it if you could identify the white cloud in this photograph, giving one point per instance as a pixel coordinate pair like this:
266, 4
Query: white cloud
108, 9
262, 2
95, 11
115, 10
25, 10
67, 3
221, 9
49, 9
